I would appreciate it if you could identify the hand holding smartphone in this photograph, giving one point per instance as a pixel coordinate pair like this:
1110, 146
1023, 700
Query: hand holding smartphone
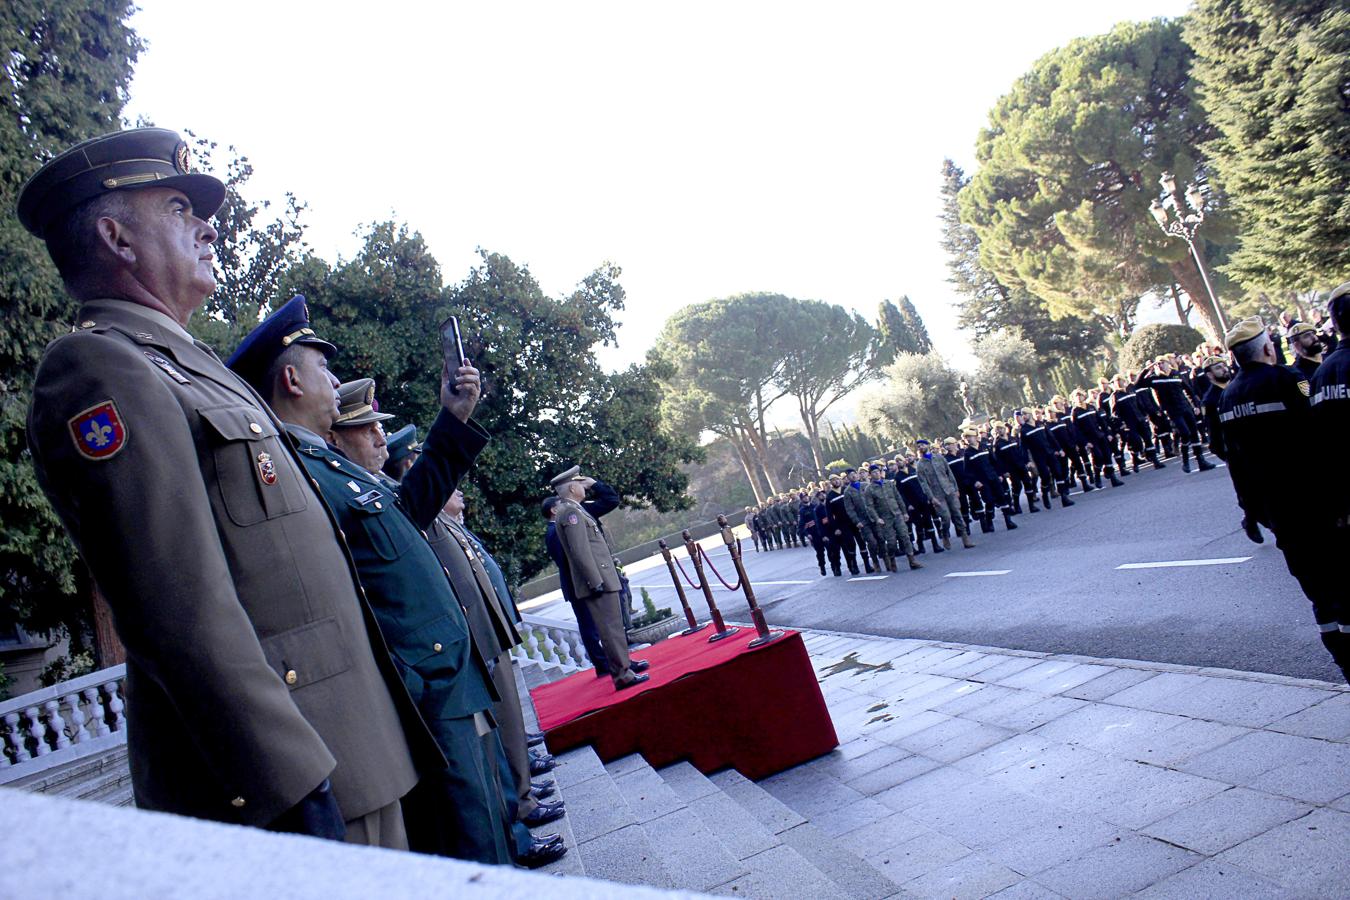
452, 348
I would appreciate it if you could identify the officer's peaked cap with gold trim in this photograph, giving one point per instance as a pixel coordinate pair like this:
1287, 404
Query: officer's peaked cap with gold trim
123, 160
357, 404
287, 325
402, 443
572, 474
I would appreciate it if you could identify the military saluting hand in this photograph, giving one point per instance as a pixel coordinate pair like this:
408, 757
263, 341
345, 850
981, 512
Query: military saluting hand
460, 395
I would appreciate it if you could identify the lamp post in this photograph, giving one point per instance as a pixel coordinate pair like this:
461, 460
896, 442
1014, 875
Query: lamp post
1185, 225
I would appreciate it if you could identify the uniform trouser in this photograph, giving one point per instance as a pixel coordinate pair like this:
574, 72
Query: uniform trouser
1134, 441
1184, 425
1023, 482
1306, 548
843, 542
1162, 427
869, 536
1079, 463
819, 546
764, 538
1047, 469
921, 517
380, 828
459, 811
895, 530
604, 609
972, 505
590, 638
949, 513
521, 839
994, 495
511, 730
1101, 455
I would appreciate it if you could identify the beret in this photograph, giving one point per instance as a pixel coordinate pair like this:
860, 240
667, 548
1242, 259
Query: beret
1300, 328
1210, 361
1244, 331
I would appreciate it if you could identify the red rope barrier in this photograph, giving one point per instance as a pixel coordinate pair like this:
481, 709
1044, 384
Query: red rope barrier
708, 560
693, 584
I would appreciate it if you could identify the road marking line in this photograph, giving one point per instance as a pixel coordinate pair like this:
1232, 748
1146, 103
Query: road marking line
869, 577
977, 574
782, 582
1181, 563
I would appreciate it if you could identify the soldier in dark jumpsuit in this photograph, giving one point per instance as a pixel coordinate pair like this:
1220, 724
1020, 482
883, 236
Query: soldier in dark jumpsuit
809, 528
1136, 431
1089, 427
1033, 434
839, 529
918, 505
1011, 460
1264, 411
1172, 395
985, 480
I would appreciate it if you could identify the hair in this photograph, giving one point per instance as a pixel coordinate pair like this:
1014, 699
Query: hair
1340, 313
546, 508
289, 357
73, 241
1252, 350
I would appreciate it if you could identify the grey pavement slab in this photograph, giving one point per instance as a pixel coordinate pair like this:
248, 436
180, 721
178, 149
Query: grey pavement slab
918, 856
1307, 854
1214, 880
1216, 823
1319, 776
595, 807
855, 877
1329, 719
1032, 676
1181, 742
846, 818
922, 788
1025, 889
972, 666
576, 766
982, 814
624, 855
881, 835
647, 794
968, 878
1025, 717
1120, 866
1005, 669
975, 698
959, 662
690, 853
1037, 848
1236, 702
1110, 729
880, 756
1015, 749
779, 873
947, 744
1248, 756
740, 832
906, 723
1129, 793
889, 776
1004, 708
768, 809
625, 764
812, 793
1112, 682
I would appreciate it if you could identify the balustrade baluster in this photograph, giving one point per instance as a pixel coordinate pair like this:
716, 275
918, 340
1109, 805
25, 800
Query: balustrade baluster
578, 650
531, 644
97, 716
564, 649
550, 647
37, 730
15, 735
78, 733
57, 723
114, 706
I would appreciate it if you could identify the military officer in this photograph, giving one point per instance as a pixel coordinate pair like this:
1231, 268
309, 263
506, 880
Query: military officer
940, 484
593, 577
403, 449
457, 810
864, 523
259, 690
1263, 411
883, 501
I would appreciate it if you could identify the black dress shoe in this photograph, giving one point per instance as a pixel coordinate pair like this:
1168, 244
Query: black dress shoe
542, 789
537, 753
541, 766
542, 853
639, 665
635, 680
534, 740
545, 813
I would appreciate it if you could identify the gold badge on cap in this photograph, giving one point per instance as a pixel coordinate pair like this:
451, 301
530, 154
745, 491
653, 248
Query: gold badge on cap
182, 158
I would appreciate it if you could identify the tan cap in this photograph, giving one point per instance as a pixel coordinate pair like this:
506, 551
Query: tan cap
1244, 331
1301, 328
1212, 361
356, 404
572, 474
1339, 291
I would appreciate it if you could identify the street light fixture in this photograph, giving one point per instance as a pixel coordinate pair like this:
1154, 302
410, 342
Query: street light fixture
1185, 226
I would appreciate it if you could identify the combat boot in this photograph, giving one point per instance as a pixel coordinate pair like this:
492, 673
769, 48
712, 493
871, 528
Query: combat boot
1008, 523
1157, 462
890, 563
946, 542
967, 542
1031, 503
1204, 464
1017, 503
987, 523
1185, 458
937, 548
1045, 497
1121, 467
867, 565
822, 571
1099, 480
1253, 530
1065, 501
1087, 485
914, 563
1115, 482
1134, 462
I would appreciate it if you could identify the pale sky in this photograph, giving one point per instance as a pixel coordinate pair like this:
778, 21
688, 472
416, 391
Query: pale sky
707, 148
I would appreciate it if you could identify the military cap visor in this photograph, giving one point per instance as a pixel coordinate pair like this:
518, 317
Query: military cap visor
287, 325
357, 405
572, 474
123, 160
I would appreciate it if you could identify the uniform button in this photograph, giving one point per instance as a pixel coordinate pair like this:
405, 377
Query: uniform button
291, 677
255, 427
426, 536
436, 646
446, 571
237, 802
379, 505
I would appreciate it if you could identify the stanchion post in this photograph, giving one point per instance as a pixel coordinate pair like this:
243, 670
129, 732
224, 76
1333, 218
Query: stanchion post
756, 614
679, 592
722, 630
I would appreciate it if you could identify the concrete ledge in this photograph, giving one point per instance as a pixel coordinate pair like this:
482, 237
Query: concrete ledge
158, 855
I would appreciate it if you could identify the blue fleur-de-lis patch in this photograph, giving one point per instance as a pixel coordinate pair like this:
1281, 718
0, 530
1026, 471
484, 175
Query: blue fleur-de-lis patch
98, 432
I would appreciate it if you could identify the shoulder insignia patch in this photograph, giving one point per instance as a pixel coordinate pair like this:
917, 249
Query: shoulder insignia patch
1304, 387
98, 432
267, 469
572, 519
169, 368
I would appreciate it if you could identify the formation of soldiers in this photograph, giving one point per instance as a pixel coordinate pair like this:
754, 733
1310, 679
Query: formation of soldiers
912, 500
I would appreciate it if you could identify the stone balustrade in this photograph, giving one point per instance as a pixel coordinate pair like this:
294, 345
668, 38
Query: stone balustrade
552, 643
62, 722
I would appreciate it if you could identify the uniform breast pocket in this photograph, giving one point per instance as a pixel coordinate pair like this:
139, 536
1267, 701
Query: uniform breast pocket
308, 654
254, 473
387, 530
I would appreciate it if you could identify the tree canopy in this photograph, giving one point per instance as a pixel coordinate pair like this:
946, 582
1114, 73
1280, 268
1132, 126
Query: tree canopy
1151, 341
1274, 78
918, 396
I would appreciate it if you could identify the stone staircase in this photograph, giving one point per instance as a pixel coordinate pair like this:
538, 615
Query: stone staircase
102, 777
677, 828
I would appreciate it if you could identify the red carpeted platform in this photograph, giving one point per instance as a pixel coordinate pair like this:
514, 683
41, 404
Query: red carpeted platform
717, 705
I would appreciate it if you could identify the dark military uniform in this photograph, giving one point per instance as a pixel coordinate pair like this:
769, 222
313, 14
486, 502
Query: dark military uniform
1331, 414
843, 537
1263, 411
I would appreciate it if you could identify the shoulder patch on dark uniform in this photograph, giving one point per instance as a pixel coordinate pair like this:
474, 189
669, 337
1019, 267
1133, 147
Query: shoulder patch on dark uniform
1303, 386
98, 432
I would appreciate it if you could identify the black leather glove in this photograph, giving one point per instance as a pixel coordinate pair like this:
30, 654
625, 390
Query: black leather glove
317, 815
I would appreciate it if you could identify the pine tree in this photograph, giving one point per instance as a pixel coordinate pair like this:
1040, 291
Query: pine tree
1274, 77
918, 334
67, 68
900, 329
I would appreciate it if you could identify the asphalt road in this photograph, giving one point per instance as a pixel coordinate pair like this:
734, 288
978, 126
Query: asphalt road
1063, 592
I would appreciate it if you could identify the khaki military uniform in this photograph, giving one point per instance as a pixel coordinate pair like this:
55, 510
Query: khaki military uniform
254, 665
883, 502
594, 580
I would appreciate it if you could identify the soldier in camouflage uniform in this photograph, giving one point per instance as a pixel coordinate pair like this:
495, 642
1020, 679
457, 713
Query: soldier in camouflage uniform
863, 521
883, 501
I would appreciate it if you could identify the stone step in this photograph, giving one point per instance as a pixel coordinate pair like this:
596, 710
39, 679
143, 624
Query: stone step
775, 869
82, 778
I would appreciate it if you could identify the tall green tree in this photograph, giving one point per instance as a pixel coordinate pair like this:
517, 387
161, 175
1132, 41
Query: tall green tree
900, 329
827, 353
1007, 363
67, 67
918, 397
1274, 77
1069, 165
988, 305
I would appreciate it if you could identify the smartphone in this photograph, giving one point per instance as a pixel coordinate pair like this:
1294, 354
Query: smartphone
452, 347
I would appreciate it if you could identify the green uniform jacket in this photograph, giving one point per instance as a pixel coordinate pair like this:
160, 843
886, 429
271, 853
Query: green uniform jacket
492, 627
588, 553
254, 666
882, 500
856, 506
418, 611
